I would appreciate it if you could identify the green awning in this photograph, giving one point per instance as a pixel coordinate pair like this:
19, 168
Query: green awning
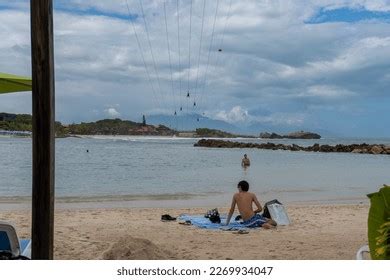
12, 83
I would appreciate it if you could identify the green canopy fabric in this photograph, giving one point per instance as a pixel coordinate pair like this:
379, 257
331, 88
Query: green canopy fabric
12, 83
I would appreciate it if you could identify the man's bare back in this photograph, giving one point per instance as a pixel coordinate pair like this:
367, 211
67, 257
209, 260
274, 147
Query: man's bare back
244, 201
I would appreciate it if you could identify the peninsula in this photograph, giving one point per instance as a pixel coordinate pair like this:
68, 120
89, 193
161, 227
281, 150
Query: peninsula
16, 124
23, 122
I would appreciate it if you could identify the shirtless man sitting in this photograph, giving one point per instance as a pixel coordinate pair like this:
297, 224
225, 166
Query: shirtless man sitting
244, 200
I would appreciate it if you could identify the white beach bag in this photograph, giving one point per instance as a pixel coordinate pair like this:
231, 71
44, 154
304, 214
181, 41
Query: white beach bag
278, 214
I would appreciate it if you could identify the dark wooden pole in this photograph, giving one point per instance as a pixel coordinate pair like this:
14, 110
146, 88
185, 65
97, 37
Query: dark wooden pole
42, 60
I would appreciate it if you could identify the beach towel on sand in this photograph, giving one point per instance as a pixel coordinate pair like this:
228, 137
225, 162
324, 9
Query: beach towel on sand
202, 222
256, 221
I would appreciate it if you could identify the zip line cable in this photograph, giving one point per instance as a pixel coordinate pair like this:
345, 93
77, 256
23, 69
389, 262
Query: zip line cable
226, 23
170, 63
179, 52
142, 56
189, 49
217, 61
151, 51
208, 57
200, 50
189, 59
223, 35
195, 95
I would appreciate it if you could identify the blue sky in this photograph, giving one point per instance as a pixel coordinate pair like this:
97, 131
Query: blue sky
61, 6
347, 14
285, 65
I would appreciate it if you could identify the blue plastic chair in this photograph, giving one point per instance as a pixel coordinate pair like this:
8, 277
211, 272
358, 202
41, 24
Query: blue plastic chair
9, 241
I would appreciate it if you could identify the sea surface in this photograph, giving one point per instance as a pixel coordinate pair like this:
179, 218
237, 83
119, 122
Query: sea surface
123, 171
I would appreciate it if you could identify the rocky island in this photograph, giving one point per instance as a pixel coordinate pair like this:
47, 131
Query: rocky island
117, 127
354, 148
293, 135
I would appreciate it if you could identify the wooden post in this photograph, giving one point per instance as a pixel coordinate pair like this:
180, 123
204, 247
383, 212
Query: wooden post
42, 60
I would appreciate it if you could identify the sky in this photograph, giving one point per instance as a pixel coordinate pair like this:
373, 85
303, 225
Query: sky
321, 65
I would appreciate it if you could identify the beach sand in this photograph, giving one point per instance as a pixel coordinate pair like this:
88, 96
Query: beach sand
317, 232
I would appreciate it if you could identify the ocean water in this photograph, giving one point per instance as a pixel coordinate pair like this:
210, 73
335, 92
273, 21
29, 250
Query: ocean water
153, 171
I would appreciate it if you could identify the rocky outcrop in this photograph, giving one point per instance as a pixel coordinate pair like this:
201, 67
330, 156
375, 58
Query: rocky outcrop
303, 135
267, 135
293, 135
213, 133
354, 148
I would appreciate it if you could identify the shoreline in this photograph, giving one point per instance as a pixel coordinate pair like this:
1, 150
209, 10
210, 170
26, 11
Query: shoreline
169, 204
316, 232
381, 140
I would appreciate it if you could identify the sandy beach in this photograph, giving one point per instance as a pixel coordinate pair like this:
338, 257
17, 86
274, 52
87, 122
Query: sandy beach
317, 232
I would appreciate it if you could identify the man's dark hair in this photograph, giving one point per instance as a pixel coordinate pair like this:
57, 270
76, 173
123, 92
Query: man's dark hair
244, 185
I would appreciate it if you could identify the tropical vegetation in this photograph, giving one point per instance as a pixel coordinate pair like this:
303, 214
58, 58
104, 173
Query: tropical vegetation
379, 224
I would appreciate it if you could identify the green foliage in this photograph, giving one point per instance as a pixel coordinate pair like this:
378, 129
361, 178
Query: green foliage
20, 123
117, 127
61, 131
102, 127
379, 224
383, 241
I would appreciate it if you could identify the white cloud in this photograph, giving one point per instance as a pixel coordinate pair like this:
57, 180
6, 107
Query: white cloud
270, 57
112, 112
327, 92
293, 119
361, 54
235, 115
241, 116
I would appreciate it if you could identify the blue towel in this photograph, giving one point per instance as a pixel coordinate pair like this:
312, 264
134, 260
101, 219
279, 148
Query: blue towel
24, 243
202, 222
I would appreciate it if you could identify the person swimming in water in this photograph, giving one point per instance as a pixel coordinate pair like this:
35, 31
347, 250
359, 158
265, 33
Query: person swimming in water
245, 161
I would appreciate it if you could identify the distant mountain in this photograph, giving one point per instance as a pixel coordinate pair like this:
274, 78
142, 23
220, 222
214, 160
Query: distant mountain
191, 123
